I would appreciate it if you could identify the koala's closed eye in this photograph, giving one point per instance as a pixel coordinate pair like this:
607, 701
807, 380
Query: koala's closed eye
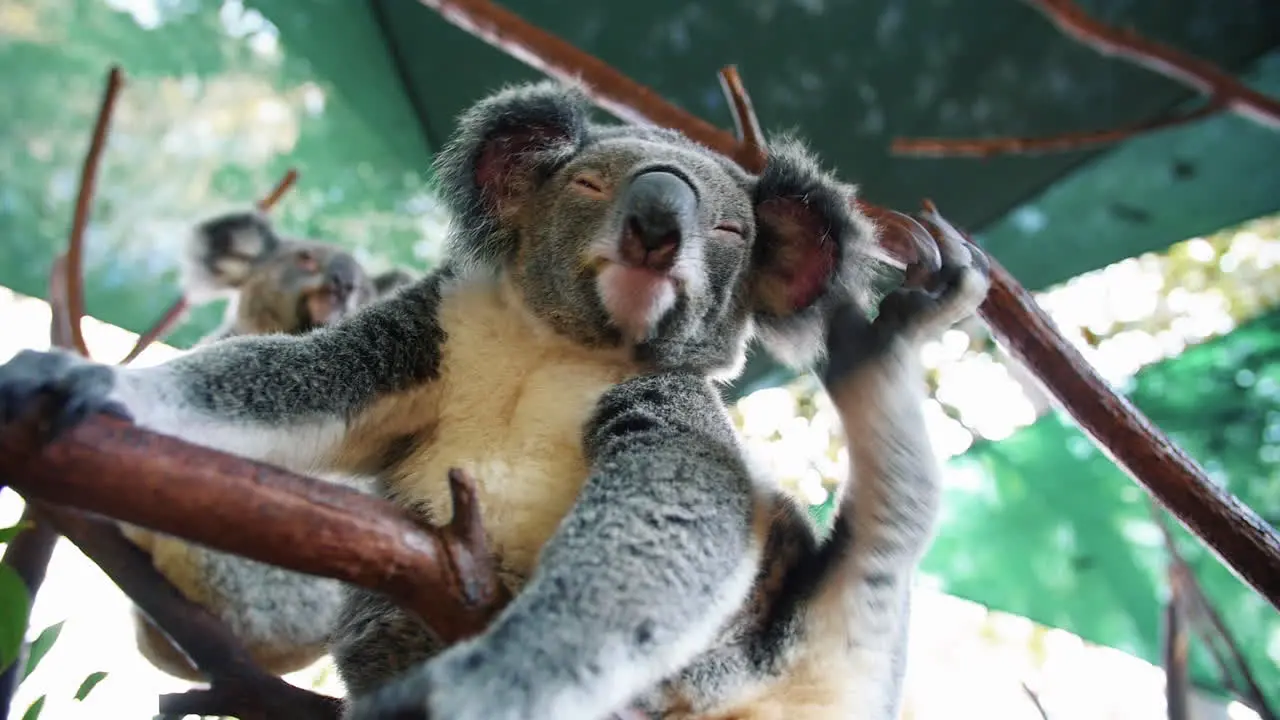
732, 230
590, 184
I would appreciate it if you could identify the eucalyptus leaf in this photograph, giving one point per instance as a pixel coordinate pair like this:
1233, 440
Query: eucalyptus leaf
90, 683
41, 645
34, 709
9, 533
15, 605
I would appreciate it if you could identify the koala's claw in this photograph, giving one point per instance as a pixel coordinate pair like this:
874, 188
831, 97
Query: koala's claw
77, 388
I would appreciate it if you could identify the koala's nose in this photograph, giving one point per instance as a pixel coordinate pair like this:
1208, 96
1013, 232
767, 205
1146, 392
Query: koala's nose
341, 274
658, 208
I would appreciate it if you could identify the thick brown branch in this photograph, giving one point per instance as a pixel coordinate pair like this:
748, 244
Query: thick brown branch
248, 692
258, 511
987, 147
1170, 62
1242, 539
84, 201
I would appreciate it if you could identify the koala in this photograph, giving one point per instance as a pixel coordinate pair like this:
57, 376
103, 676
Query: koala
599, 282
275, 285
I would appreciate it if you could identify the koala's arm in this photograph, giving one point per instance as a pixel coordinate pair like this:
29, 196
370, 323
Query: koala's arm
659, 550
282, 398
886, 519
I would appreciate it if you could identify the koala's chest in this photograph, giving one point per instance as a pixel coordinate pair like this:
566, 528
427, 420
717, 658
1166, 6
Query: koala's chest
513, 402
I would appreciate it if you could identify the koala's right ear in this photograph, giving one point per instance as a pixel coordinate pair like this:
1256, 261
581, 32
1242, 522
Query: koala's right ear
504, 146
223, 251
390, 281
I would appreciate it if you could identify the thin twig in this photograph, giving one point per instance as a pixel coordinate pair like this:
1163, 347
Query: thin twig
178, 308
1034, 697
84, 201
1177, 681
1224, 92
171, 317
1170, 62
1209, 625
752, 152
270, 199
988, 147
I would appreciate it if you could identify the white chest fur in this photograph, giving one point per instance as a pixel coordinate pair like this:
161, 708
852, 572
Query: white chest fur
512, 401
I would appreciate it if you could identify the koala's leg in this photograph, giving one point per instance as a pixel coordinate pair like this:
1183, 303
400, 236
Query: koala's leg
658, 552
285, 399
283, 618
886, 518
374, 641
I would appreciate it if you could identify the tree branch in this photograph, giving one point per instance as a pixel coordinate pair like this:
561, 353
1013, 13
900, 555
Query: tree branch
988, 147
751, 144
84, 201
109, 467
1224, 92
1177, 682
1170, 62
1232, 530
1235, 533
1209, 625
247, 692
178, 308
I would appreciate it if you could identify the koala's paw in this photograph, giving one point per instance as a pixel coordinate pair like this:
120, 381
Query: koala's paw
76, 387
909, 314
959, 287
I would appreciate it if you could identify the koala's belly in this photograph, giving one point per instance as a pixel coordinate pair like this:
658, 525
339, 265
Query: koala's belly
512, 406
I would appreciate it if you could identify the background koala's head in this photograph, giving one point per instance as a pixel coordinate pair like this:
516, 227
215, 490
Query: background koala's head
625, 235
276, 284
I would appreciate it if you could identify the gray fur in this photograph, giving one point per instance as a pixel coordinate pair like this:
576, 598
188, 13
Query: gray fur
276, 285
656, 574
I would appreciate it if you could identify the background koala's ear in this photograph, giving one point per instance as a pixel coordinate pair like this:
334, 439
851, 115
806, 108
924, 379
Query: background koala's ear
391, 280
223, 251
812, 250
503, 147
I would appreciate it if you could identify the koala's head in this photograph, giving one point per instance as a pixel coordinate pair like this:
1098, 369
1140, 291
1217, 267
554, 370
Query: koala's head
625, 235
276, 284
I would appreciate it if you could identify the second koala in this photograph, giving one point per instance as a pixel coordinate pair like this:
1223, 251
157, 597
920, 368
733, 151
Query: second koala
274, 285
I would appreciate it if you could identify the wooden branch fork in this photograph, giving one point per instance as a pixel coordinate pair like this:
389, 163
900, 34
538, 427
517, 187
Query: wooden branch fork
106, 467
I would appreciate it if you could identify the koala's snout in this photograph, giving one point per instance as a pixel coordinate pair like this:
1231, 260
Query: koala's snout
341, 275
659, 208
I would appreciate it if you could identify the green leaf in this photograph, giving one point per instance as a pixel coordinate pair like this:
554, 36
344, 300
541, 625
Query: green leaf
15, 603
41, 645
89, 684
34, 710
7, 534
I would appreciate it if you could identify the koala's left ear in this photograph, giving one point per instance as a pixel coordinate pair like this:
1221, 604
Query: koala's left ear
223, 251
812, 249
504, 147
